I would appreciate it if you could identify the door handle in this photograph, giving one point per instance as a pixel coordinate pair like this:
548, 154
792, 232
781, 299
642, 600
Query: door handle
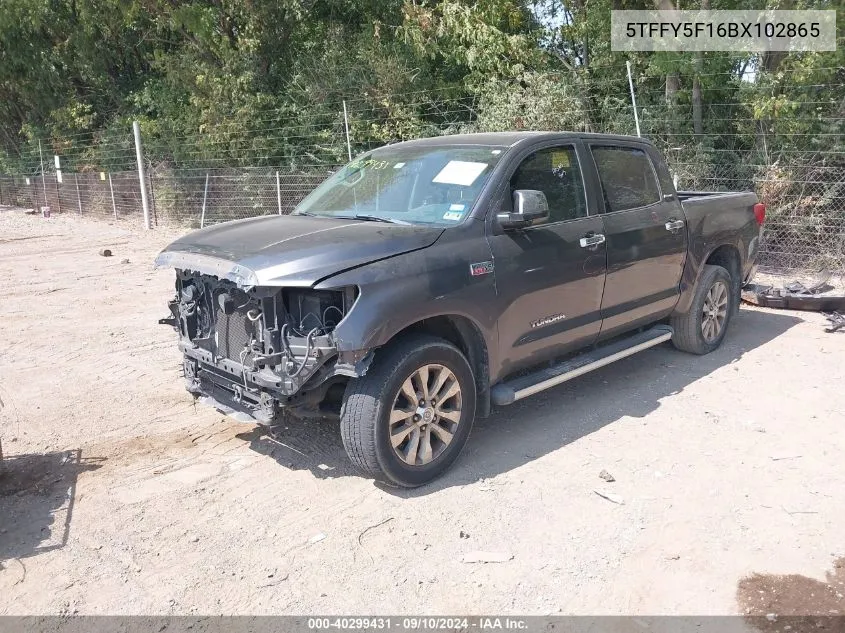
674, 225
592, 240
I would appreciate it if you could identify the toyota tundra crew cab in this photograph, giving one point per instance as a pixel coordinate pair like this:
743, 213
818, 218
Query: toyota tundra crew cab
428, 280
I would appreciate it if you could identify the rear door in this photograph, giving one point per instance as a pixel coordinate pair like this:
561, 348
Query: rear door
550, 276
646, 238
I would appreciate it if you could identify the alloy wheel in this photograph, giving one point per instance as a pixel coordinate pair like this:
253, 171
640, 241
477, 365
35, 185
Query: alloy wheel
425, 414
714, 312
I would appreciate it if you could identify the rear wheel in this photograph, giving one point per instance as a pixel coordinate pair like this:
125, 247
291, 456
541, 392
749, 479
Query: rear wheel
703, 327
407, 420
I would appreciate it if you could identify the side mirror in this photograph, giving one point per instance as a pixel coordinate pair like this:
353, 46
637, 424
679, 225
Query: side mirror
529, 206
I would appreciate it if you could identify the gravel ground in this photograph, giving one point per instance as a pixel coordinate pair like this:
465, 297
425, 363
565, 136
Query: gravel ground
120, 496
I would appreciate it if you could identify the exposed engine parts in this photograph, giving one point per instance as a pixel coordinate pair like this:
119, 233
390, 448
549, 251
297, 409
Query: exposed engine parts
253, 349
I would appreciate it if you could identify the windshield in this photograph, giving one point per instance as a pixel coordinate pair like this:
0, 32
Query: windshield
417, 185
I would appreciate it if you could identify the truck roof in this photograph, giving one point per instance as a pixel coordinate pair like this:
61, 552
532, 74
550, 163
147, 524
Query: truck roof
509, 139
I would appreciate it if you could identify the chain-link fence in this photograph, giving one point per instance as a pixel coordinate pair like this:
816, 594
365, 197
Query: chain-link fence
219, 176
197, 197
805, 216
106, 195
804, 231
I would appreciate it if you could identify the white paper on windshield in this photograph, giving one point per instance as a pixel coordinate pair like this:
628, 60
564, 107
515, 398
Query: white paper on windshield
460, 172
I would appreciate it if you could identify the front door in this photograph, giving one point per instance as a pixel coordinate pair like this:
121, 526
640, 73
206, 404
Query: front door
550, 276
646, 239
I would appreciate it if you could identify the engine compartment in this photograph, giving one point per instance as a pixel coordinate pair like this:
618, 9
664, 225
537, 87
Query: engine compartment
253, 350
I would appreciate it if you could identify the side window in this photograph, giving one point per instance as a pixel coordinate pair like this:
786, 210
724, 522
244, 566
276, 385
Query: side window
627, 177
555, 172
663, 175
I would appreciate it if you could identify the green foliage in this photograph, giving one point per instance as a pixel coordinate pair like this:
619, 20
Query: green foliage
531, 101
262, 83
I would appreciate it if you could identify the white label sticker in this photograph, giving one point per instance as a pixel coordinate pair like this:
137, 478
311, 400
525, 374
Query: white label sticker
459, 172
457, 207
452, 215
398, 165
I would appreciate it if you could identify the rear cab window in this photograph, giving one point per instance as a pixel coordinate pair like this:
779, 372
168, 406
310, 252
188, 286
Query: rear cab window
627, 177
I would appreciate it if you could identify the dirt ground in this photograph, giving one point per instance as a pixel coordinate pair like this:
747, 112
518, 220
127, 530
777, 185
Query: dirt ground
122, 497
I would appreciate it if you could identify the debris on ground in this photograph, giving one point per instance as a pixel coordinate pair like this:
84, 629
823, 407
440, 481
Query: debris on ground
105, 252
607, 476
486, 557
372, 527
317, 538
463, 534
819, 286
610, 497
837, 322
796, 295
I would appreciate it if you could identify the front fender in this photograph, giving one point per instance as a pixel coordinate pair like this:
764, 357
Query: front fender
400, 291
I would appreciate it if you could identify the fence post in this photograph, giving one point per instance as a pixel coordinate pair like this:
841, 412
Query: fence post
113, 205
204, 198
278, 193
346, 127
633, 98
58, 195
78, 198
139, 156
43, 179
152, 199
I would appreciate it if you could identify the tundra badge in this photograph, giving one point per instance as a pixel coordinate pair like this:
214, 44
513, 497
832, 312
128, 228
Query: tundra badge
552, 318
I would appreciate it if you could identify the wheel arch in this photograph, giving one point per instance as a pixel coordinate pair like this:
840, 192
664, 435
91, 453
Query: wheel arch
467, 336
728, 257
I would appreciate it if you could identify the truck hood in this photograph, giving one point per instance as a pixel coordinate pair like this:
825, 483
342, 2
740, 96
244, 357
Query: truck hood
295, 250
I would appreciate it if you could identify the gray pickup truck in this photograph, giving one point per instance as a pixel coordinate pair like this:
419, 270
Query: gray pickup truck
428, 280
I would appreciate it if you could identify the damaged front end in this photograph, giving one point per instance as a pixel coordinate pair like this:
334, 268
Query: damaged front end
259, 350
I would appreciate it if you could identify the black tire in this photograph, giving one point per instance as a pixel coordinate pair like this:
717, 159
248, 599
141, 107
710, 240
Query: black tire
369, 401
688, 334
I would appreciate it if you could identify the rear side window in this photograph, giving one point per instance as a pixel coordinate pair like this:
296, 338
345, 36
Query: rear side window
555, 172
663, 175
627, 178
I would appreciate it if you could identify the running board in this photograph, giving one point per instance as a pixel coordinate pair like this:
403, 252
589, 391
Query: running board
524, 386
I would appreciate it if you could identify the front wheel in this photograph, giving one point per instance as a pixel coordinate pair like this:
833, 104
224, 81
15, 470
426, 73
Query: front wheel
703, 327
409, 417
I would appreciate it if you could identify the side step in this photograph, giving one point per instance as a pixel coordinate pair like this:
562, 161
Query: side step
524, 386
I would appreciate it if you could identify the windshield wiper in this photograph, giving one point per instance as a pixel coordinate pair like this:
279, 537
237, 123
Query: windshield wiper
372, 218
